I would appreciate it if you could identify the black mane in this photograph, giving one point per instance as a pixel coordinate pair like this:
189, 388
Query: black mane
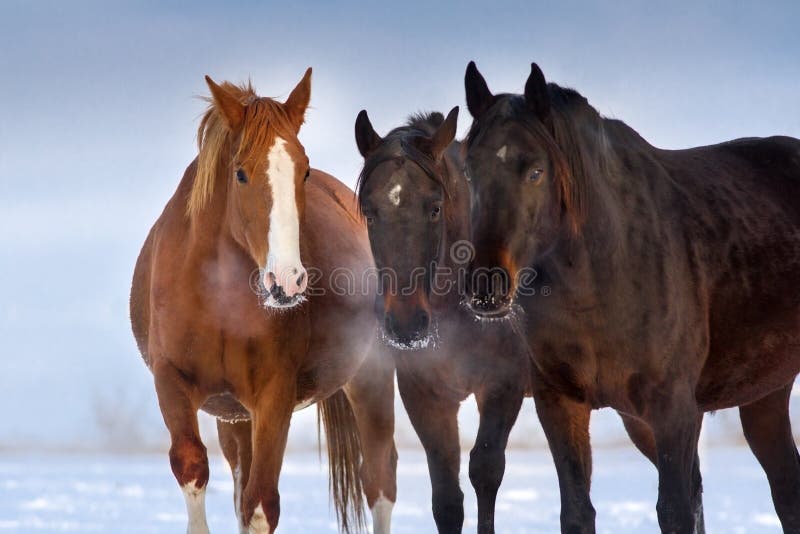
400, 143
574, 152
564, 101
427, 122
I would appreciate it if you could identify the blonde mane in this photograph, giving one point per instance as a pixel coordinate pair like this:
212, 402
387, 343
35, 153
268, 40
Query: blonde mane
264, 119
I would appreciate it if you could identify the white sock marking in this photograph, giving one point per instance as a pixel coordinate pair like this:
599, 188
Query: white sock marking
196, 508
382, 515
237, 499
394, 194
259, 523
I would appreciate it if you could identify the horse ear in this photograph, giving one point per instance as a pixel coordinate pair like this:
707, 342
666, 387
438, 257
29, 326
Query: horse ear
445, 134
366, 137
536, 94
229, 105
297, 102
479, 98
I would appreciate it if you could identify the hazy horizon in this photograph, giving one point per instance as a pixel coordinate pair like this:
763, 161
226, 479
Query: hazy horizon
100, 112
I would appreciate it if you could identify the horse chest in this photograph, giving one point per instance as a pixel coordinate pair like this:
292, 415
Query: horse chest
582, 356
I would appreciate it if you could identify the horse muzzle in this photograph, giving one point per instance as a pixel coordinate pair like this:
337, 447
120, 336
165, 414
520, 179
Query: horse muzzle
490, 295
407, 322
285, 286
490, 306
277, 298
410, 333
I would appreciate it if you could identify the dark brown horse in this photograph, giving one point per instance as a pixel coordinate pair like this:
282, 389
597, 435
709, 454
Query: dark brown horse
416, 201
672, 280
222, 315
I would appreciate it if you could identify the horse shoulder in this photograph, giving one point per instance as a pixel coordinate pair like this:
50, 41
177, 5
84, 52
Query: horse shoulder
335, 237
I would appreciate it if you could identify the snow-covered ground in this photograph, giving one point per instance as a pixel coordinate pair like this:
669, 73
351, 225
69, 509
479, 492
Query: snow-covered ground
81, 493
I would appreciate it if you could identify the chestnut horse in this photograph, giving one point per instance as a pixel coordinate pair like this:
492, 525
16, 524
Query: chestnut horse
229, 318
673, 282
416, 200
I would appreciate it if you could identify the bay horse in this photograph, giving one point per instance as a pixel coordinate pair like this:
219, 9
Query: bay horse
416, 200
233, 312
672, 281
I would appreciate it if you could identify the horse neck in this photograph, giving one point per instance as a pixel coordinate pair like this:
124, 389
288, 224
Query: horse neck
601, 229
606, 190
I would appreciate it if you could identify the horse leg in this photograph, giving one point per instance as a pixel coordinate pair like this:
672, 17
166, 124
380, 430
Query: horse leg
187, 454
371, 394
565, 421
271, 413
235, 438
675, 420
768, 431
498, 409
643, 438
435, 420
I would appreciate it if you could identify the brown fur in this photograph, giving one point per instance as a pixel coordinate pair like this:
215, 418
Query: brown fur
469, 358
678, 296
265, 118
203, 331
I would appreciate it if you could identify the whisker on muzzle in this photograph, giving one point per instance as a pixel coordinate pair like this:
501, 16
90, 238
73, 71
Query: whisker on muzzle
273, 299
430, 341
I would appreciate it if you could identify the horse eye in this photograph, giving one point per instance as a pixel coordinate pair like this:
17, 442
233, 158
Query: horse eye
308, 172
435, 212
241, 176
535, 175
370, 219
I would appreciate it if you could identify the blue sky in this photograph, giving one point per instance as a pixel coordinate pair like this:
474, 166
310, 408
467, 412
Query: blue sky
98, 116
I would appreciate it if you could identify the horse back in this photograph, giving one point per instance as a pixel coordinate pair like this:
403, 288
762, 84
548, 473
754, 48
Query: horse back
739, 194
742, 237
761, 168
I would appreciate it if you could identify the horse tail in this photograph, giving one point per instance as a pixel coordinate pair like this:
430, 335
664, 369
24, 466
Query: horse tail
344, 459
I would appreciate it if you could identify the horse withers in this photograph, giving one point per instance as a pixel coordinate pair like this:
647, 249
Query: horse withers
671, 281
233, 312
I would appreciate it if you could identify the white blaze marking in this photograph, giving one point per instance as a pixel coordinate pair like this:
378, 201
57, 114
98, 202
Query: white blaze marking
283, 258
237, 499
382, 515
394, 194
196, 508
502, 153
259, 523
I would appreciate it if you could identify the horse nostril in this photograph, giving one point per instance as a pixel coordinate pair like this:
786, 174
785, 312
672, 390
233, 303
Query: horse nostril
271, 280
300, 279
277, 292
